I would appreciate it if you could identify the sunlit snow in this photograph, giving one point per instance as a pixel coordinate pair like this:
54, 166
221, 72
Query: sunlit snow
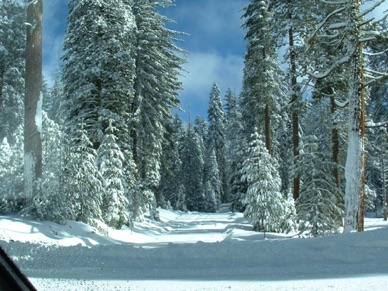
38, 113
194, 251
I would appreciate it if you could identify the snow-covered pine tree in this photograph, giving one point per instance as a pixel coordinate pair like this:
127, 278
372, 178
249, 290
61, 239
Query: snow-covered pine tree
99, 67
11, 174
330, 92
114, 206
201, 127
170, 182
12, 68
294, 21
5, 153
211, 176
370, 199
141, 200
192, 171
84, 183
291, 25
377, 115
51, 203
5, 157
284, 153
51, 104
318, 208
216, 136
212, 182
265, 204
234, 150
263, 91
156, 88
98, 75
210, 203
238, 186
348, 30
12, 71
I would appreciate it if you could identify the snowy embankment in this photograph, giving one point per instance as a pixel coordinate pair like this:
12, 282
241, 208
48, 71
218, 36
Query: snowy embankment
211, 251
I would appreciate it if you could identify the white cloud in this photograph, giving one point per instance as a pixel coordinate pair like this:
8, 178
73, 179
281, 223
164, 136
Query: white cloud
205, 68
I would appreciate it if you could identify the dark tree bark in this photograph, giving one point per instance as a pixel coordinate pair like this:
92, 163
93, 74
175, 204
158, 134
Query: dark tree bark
294, 106
362, 131
2, 133
32, 136
384, 189
268, 139
1, 88
335, 144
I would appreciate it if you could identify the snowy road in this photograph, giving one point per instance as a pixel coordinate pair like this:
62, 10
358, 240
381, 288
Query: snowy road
194, 251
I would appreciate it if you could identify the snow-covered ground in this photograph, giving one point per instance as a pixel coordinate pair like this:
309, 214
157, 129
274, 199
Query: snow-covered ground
194, 251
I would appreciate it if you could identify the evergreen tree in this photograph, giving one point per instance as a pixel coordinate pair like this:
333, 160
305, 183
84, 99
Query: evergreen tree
291, 19
351, 32
201, 128
98, 69
330, 92
238, 186
12, 68
98, 80
317, 206
84, 181
211, 176
216, 136
11, 175
192, 171
171, 184
212, 182
262, 83
210, 203
156, 88
141, 200
5, 157
51, 104
51, 203
377, 113
234, 150
110, 160
370, 199
284, 153
265, 204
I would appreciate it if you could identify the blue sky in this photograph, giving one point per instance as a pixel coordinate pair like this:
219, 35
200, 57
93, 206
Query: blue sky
215, 45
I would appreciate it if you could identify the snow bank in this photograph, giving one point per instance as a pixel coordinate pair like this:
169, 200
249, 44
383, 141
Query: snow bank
194, 251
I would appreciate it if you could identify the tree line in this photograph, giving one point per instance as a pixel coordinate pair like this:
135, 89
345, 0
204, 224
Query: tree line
303, 146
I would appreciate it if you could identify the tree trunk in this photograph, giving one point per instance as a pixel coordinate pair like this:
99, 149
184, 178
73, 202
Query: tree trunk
268, 141
384, 189
361, 92
32, 101
335, 145
355, 160
295, 113
2, 132
1, 89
